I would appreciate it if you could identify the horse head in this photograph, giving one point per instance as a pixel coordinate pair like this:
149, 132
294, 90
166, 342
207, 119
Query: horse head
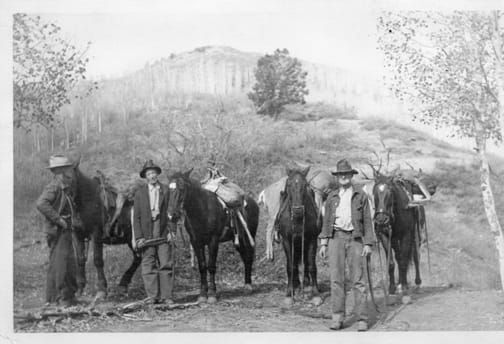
295, 188
383, 192
178, 186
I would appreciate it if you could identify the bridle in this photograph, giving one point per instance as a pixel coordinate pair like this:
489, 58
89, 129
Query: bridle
382, 209
175, 190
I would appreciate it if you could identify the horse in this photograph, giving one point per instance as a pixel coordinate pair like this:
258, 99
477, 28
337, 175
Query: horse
396, 228
205, 221
94, 214
320, 182
299, 230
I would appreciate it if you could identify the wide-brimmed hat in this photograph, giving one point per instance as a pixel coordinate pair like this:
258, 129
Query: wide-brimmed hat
149, 165
59, 161
343, 167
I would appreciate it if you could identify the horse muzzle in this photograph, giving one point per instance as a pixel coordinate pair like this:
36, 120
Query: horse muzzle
382, 219
298, 212
173, 216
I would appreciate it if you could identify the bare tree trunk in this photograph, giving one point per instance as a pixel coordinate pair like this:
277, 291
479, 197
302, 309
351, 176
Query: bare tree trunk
125, 114
497, 43
67, 134
99, 121
489, 204
52, 139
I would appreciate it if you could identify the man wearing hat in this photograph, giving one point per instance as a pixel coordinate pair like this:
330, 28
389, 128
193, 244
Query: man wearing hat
151, 222
348, 235
57, 205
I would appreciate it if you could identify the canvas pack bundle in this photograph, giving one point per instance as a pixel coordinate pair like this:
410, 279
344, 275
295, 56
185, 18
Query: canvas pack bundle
228, 191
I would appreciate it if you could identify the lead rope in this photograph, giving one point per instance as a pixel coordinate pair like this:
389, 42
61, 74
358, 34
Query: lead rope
302, 254
72, 232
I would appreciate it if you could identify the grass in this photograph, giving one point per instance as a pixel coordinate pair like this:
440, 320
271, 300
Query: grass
316, 111
253, 151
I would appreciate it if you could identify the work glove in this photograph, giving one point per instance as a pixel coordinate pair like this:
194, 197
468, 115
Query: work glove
62, 223
170, 237
140, 243
366, 251
323, 251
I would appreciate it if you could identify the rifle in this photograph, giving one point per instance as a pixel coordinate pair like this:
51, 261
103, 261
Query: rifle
154, 242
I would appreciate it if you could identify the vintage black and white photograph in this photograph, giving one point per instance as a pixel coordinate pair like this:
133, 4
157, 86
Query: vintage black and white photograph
252, 166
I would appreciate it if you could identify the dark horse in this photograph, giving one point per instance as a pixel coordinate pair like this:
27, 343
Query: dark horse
396, 228
299, 230
205, 220
94, 215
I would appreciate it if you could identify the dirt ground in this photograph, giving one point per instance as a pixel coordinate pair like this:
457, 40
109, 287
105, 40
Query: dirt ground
432, 308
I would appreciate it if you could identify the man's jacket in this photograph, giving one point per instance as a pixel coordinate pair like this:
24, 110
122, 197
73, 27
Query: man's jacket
361, 216
51, 203
142, 223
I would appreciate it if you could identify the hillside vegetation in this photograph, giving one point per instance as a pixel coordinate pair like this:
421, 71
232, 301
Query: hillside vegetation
253, 152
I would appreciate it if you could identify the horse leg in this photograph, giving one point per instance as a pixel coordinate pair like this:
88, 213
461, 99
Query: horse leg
247, 255
213, 249
403, 262
311, 257
307, 278
288, 255
386, 243
128, 275
200, 256
296, 262
98, 262
416, 256
269, 239
416, 261
81, 264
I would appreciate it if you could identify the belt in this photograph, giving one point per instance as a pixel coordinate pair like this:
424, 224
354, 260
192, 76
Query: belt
339, 230
155, 218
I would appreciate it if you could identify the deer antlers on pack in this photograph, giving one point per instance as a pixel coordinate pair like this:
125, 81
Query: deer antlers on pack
377, 170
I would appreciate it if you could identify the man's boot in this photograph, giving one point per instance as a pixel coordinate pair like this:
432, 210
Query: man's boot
362, 326
337, 322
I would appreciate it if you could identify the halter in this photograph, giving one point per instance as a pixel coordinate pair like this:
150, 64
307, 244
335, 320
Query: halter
388, 211
172, 187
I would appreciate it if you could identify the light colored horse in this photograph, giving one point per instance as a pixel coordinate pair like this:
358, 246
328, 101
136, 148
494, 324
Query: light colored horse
321, 182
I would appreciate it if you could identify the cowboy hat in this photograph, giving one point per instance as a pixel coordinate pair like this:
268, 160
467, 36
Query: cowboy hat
149, 165
343, 167
59, 161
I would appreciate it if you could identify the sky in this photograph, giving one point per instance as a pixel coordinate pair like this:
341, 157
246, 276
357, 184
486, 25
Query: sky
122, 42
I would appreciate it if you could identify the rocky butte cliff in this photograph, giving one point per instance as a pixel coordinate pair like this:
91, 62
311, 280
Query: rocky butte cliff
221, 70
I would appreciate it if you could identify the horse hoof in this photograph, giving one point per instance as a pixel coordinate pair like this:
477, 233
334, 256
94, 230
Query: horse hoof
288, 301
248, 288
101, 295
123, 290
212, 300
316, 301
406, 300
202, 299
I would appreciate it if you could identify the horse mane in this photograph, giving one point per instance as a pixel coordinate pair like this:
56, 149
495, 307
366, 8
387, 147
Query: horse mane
86, 187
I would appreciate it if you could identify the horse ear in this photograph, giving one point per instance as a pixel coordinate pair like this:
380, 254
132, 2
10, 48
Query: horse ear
288, 170
305, 171
187, 173
75, 157
420, 170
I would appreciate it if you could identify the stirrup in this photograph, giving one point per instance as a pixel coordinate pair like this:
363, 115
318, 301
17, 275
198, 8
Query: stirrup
236, 240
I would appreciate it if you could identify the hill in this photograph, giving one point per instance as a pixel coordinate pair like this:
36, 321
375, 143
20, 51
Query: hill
222, 71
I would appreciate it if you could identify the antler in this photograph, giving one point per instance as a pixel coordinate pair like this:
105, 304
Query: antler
377, 158
389, 150
365, 176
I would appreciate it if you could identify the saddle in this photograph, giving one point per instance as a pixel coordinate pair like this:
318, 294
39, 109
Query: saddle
114, 202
